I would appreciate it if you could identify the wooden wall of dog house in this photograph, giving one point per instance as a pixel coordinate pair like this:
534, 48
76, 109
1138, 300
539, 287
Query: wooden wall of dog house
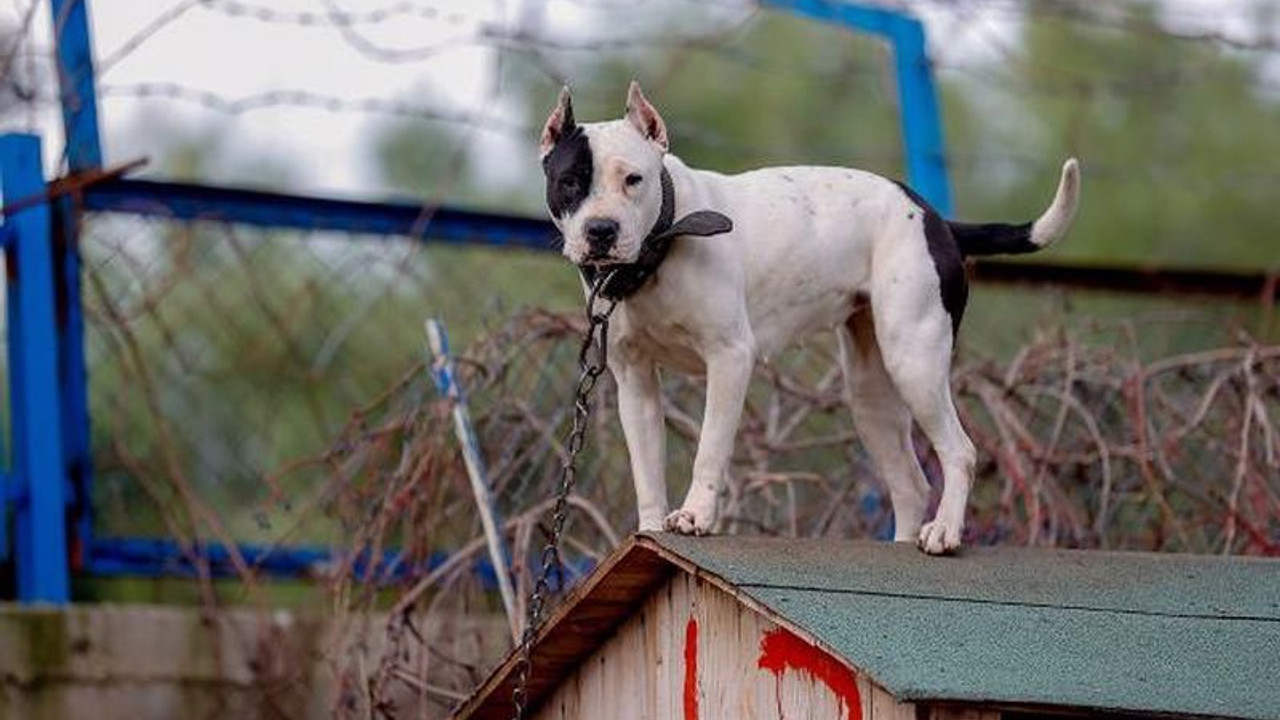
694, 652
963, 713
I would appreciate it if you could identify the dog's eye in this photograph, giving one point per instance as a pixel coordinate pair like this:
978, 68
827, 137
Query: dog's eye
634, 179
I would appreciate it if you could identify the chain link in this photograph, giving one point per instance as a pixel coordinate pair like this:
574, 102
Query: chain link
591, 366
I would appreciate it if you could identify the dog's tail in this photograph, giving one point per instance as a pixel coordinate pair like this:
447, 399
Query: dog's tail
1008, 239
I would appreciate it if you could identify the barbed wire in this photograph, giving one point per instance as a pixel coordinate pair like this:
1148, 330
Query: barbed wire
334, 17
339, 16
491, 122
21, 35
387, 475
304, 99
1113, 17
499, 37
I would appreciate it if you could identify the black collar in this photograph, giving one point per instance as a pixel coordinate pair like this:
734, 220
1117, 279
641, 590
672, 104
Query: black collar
627, 279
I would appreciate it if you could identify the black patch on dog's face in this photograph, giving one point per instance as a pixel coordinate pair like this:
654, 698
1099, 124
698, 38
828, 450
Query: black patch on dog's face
947, 260
568, 168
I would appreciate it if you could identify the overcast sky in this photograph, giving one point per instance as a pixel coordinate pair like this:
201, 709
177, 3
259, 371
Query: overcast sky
426, 57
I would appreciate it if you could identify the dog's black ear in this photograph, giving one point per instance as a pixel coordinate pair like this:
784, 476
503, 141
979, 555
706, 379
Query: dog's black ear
559, 123
644, 117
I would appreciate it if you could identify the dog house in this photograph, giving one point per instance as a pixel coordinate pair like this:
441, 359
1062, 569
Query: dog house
755, 628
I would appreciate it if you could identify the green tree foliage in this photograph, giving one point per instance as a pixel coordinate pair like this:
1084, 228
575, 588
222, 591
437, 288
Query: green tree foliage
426, 160
259, 344
1179, 140
1177, 137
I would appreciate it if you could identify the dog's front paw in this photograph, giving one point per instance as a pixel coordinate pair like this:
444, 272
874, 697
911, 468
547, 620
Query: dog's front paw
647, 525
687, 522
939, 537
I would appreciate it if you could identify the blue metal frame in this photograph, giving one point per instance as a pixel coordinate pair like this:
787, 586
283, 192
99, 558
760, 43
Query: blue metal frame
6, 486
147, 557
183, 201
73, 375
38, 465
77, 85
917, 94
49, 386
8, 491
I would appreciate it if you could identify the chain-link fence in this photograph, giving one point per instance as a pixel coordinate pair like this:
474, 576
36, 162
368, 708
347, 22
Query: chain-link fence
221, 355
269, 386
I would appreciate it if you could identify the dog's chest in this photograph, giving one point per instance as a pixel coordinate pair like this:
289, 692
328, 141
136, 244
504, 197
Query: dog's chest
669, 338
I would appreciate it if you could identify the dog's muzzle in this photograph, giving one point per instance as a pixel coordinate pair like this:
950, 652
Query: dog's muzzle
626, 278
602, 235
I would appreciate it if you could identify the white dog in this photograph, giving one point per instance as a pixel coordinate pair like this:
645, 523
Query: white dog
785, 252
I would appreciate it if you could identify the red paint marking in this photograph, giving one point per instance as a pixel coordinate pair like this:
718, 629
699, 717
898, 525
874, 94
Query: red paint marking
691, 670
781, 650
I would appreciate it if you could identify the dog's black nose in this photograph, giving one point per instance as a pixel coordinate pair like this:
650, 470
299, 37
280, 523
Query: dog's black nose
601, 234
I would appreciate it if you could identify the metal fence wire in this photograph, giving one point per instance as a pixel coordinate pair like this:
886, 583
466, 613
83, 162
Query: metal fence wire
221, 353
262, 393
270, 386
265, 386
258, 373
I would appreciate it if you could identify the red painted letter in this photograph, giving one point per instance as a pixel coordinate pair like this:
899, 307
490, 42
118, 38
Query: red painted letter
780, 650
691, 670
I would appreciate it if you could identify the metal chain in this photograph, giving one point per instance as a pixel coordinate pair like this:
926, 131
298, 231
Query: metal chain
590, 370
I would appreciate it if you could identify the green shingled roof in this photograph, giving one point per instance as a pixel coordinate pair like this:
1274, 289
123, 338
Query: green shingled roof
1122, 632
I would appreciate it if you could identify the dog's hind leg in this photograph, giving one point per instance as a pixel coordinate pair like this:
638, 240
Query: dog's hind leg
883, 422
640, 410
915, 338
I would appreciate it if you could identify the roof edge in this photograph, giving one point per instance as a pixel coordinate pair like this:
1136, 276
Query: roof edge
606, 598
752, 603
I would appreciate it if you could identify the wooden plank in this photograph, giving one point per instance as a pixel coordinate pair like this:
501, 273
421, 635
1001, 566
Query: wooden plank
602, 603
631, 673
962, 712
866, 689
688, 661
667, 670
742, 678
691, 646
885, 706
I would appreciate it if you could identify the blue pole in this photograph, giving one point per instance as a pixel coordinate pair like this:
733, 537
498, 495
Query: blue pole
442, 371
73, 376
921, 118
78, 96
39, 464
917, 95
4, 517
7, 492
76, 82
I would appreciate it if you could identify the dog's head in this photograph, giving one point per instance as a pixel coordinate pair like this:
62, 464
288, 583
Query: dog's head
604, 186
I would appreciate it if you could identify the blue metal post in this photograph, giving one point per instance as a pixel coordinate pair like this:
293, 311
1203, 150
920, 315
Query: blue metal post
6, 482
4, 517
442, 371
76, 83
38, 451
921, 117
78, 95
917, 94
73, 376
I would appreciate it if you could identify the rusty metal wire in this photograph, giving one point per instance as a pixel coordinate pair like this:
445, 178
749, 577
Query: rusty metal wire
268, 386
1084, 444
234, 401
250, 385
